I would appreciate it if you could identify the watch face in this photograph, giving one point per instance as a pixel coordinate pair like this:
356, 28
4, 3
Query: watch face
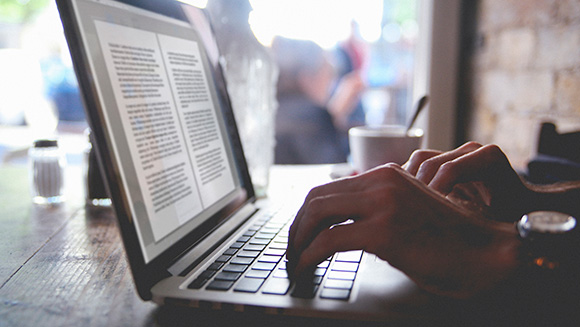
549, 222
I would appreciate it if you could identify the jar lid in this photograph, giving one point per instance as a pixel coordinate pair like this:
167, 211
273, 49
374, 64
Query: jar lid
45, 143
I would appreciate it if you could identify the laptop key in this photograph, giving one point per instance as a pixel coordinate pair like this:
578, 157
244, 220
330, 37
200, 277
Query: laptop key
223, 258
335, 294
278, 246
271, 251
338, 284
215, 266
345, 266
250, 233
277, 286
270, 258
349, 256
254, 228
220, 285
260, 241
242, 260
248, 254
254, 247
197, 283
249, 285
255, 273
230, 251
345, 275
317, 280
264, 266
265, 236
280, 273
243, 239
281, 239
324, 264
235, 268
237, 245
228, 276
305, 290
207, 274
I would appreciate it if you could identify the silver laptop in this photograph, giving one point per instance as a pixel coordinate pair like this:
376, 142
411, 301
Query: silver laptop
167, 141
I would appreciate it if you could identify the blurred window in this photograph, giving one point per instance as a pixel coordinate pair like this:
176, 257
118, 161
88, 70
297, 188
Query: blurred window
378, 36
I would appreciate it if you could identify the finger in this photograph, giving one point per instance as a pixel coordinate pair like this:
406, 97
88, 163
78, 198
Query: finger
346, 185
323, 212
339, 207
358, 194
470, 167
340, 238
429, 168
469, 192
417, 158
335, 187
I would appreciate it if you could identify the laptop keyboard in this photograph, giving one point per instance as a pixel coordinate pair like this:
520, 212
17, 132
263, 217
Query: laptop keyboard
256, 262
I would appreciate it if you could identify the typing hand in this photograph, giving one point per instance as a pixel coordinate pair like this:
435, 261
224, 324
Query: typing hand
445, 248
476, 175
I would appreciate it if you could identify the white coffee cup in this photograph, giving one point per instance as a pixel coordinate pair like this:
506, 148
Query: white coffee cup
371, 146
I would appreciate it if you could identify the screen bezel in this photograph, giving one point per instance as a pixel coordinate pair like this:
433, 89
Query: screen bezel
148, 274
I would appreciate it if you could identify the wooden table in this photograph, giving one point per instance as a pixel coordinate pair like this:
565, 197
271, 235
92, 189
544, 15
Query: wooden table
65, 266
61, 266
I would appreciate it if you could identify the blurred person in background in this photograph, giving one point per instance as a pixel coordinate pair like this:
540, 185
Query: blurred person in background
311, 116
351, 56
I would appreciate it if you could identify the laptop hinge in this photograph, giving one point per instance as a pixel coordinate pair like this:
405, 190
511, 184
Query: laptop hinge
198, 252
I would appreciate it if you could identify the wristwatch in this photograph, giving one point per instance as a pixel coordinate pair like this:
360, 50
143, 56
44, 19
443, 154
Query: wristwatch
548, 240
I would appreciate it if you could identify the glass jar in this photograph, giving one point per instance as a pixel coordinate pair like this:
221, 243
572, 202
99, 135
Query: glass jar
46, 171
251, 74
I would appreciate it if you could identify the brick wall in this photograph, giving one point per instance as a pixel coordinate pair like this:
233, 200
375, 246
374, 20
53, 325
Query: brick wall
525, 69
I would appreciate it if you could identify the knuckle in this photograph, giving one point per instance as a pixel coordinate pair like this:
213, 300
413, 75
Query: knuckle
449, 172
421, 155
316, 207
472, 145
493, 149
494, 153
429, 165
314, 193
385, 172
448, 168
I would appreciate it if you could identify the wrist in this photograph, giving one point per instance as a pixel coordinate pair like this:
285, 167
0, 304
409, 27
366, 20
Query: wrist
492, 265
503, 256
548, 238
548, 260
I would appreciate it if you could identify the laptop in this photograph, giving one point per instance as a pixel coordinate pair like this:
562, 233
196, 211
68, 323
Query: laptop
166, 138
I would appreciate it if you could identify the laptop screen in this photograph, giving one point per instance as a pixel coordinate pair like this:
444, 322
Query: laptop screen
164, 118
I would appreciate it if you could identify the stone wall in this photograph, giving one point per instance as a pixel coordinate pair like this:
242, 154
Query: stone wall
525, 69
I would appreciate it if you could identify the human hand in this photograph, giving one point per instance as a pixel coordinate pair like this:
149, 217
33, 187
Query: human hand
476, 176
443, 247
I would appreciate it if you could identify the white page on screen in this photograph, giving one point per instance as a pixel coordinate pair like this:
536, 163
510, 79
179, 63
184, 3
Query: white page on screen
167, 112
